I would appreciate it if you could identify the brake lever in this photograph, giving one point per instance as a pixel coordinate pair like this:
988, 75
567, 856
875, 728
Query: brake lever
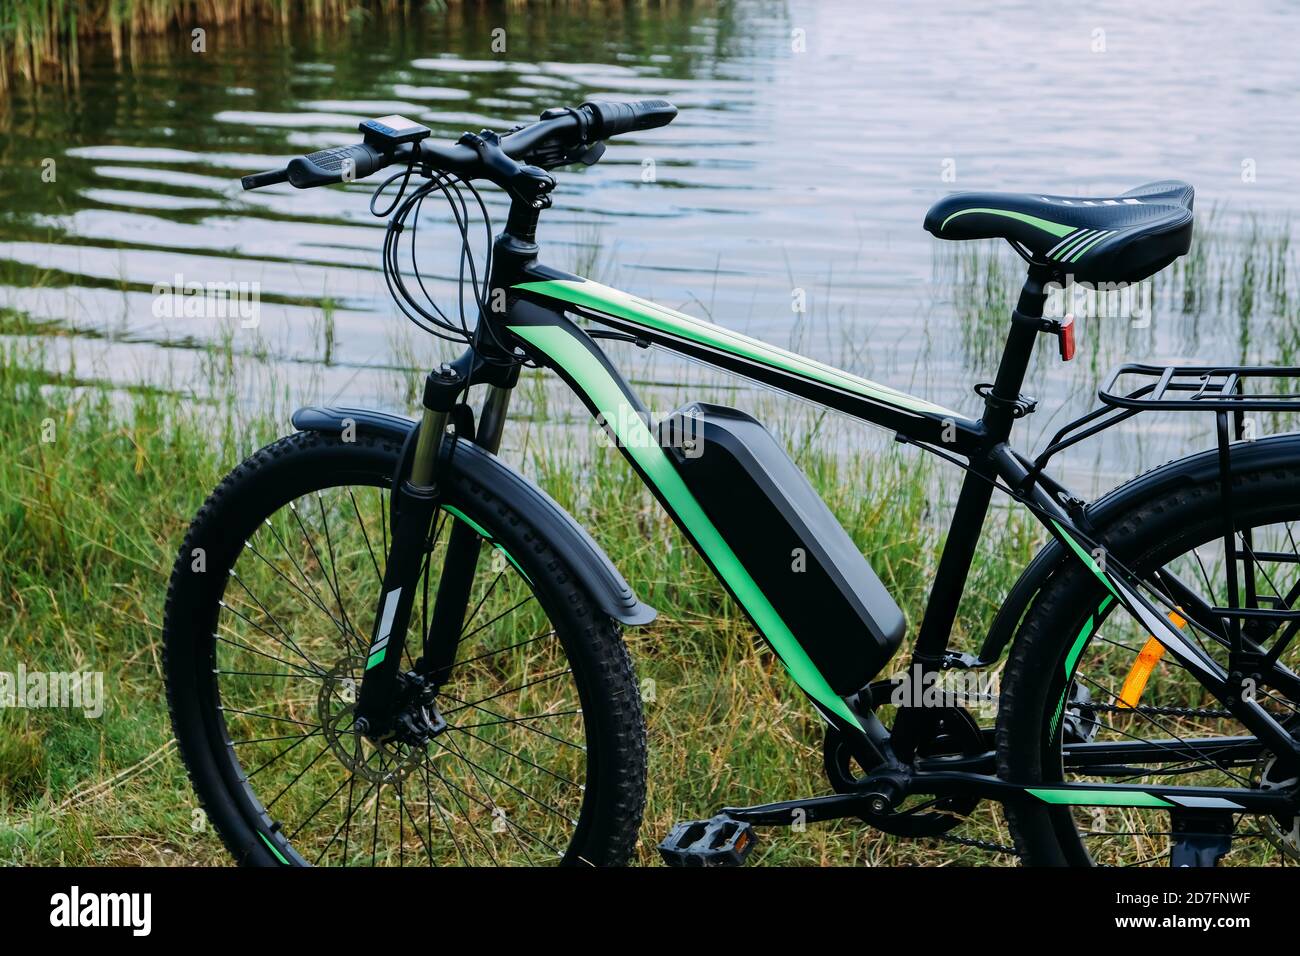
591, 156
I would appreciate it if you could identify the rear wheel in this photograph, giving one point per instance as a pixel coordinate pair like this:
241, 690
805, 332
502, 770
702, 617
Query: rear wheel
269, 614
1074, 628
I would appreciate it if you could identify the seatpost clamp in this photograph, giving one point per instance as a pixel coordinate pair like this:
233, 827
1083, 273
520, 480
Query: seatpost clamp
1020, 406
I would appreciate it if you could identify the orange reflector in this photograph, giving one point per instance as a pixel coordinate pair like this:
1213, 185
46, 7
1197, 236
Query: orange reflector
1146, 662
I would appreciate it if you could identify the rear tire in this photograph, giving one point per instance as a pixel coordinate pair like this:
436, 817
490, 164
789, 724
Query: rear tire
285, 632
1148, 535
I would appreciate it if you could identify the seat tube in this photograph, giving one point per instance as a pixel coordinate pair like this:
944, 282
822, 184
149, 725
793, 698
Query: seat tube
977, 489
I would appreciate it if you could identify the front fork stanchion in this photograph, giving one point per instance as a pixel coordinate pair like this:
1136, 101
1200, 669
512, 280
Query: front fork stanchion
414, 506
460, 561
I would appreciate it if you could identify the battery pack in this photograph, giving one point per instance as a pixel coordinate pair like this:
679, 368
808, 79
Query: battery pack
788, 541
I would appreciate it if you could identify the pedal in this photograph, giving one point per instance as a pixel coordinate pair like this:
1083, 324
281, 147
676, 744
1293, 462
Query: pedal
721, 841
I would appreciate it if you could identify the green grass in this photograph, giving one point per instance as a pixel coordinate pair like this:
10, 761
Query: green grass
89, 524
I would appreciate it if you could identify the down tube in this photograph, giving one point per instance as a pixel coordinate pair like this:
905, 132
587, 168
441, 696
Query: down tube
577, 359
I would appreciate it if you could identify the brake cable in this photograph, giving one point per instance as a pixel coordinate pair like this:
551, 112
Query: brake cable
437, 322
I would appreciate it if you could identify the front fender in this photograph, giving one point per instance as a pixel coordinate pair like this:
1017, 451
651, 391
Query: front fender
570, 540
1194, 469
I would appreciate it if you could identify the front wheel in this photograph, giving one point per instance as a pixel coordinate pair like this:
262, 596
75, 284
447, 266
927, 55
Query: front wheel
1082, 672
269, 613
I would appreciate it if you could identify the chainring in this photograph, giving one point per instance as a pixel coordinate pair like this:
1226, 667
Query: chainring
957, 734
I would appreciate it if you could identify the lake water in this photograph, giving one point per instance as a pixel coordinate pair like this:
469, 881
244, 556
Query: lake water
811, 140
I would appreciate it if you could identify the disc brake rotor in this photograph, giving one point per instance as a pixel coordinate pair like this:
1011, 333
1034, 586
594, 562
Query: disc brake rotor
336, 705
1279, 831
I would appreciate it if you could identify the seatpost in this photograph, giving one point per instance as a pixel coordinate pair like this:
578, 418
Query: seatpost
1001, 401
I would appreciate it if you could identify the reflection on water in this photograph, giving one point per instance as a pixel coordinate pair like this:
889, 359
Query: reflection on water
812, 137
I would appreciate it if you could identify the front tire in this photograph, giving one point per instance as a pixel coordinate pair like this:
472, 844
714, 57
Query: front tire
269, 611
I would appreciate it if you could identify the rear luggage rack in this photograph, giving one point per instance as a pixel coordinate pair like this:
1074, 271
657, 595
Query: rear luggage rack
1198, 388
1135, 388
1224, 391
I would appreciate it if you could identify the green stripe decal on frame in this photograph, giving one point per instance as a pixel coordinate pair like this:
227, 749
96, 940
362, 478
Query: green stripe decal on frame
602, 298
635, 437
376, 657
1098, 798
1055, 228
271, 846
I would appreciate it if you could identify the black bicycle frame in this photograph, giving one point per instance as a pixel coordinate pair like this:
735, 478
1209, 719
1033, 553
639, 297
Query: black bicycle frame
539, 303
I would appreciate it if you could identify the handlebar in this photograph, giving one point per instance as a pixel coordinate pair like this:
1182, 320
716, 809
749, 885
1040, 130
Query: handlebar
560, 137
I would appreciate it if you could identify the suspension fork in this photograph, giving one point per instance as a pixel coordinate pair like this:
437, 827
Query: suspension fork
415, 502
461, 560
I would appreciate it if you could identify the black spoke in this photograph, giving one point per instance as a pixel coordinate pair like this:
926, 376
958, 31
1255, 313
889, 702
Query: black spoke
504, 650
507, 611
254, 713
509, 690
278, 626
493, 713
362, 525
323, 751
302, 738
506, 819
453, 791
311, 816
514, 720
520, 757
271, 657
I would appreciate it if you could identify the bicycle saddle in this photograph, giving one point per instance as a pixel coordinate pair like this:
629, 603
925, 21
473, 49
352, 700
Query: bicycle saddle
1121, 238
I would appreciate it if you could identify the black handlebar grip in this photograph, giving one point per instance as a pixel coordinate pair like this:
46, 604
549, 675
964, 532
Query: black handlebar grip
610, 119
335, 165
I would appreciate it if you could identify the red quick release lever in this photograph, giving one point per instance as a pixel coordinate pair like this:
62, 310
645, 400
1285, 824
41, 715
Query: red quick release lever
1065, 337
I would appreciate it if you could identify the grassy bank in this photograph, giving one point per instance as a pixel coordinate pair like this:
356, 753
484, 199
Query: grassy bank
100, 483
